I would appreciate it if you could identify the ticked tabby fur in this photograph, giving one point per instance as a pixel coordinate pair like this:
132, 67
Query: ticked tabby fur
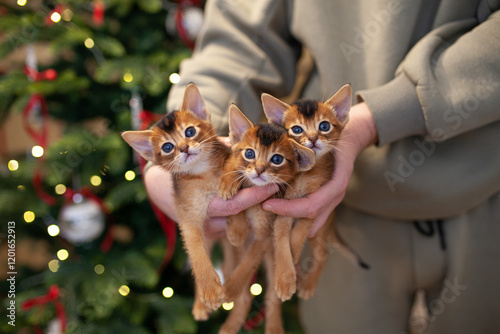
318, 126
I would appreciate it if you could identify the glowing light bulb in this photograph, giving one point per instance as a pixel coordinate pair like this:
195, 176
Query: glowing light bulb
13, 165
37, 151
55, 17
129, 175
174, 78
62, 254
127, 77
89, 43
95, 180
99, 269
21, 2
53, 230
228, 306
168, 292
256, 289
124, 290
29, 216
60, 189
54, 265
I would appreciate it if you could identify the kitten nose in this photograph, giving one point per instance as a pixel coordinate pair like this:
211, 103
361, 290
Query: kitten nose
259, 170
313, 139
184, 149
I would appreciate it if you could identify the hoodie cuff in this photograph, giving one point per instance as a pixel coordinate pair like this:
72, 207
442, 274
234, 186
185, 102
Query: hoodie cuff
396, 110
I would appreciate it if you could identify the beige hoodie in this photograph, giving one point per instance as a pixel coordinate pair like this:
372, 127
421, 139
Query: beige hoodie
428, 70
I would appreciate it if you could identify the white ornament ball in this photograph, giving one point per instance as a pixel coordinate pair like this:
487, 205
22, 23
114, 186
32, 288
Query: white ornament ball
81, 222
54, 327
192, 20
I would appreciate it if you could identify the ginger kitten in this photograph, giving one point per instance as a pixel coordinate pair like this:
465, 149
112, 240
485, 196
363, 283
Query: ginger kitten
261, 154
184, 142
316, 125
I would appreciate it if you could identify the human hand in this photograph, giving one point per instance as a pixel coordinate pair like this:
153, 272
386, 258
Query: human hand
359, 133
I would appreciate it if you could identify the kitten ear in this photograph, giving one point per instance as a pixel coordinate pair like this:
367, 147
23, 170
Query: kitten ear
193, 101
273, 108
238, 124
306, 156
341, 102
139, 140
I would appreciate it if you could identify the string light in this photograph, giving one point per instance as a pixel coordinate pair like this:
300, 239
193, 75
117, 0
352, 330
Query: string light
256, 289
21, 3
228, 306
168, 292
174, 78
21, 187
55, 17
29, 216
13, 165
95, 180
99, 269
54, 265
62, 254
67, 14
124, 290
129, 175
127, 77
37, 151
53, 230
89, 43
60, 189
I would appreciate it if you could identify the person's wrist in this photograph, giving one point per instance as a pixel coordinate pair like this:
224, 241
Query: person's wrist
360, 131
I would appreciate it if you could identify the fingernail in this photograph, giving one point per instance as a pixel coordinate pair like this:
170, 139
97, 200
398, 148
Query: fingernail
267, 207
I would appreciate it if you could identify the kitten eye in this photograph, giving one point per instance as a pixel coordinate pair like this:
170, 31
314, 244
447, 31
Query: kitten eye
167, 147
297, 130
277, 159
191, 131
324, 126
249, 154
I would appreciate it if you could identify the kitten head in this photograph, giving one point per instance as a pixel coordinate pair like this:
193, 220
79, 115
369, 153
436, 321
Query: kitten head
265, 154
314, 124
182, 140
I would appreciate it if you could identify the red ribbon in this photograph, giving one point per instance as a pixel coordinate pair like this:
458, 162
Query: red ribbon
168, 226
86, 192
98, 13
32, 73
52, 296
40, 139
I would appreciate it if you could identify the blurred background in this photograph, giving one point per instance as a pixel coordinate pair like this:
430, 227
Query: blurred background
91, 254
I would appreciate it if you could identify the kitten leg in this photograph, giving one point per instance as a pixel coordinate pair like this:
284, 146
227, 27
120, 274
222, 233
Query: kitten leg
237, 228
319, 253
260, 220
246, 268
205, 276
201, 311
298, 237
286, 276
274, 321
239, 313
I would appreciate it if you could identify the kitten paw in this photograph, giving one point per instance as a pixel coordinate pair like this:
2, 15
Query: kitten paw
226, 189
237, 229
212, 294
306, 288
200, 311
286, 284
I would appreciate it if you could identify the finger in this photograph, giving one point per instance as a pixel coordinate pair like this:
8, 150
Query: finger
299, 208
244, 199
215, 228
318, 223
225, 140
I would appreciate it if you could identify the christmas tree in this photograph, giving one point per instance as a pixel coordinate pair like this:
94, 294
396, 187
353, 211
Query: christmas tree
83, 251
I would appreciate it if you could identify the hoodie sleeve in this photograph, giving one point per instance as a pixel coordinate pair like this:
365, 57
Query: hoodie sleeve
244, 48
448, 84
